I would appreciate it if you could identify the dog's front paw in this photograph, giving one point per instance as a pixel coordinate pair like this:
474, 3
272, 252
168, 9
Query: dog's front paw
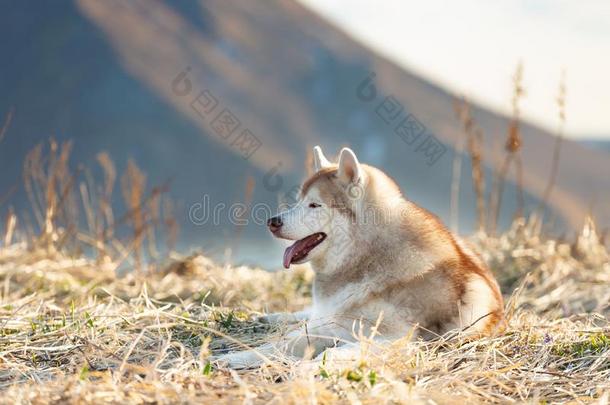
239, 360
279, 317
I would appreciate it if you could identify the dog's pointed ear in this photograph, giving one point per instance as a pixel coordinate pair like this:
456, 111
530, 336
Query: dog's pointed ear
350, 170
319, 160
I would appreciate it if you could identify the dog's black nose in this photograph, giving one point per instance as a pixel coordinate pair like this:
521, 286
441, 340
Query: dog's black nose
274, 223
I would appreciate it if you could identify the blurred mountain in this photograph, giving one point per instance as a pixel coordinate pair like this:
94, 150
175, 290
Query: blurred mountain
596, 144
211, 93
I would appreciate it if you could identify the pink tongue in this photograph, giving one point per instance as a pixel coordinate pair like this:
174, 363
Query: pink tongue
299, 247
290, 252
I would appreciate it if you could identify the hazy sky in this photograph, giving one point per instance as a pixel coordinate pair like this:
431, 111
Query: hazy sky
472, 47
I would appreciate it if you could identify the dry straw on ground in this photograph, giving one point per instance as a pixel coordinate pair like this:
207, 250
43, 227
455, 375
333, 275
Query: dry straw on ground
71, 330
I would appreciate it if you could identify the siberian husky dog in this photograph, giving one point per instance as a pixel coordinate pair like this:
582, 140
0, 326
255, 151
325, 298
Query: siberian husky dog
380, 261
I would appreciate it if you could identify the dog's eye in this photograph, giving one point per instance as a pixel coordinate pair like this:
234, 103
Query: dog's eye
314, 205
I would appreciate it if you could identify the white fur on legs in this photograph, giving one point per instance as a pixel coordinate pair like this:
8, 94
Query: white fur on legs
338, 357
346, 353
285, 317
247, 358
239, 360
295, 344
286, 349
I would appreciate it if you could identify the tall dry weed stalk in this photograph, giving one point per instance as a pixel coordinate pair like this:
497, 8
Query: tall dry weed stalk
561, 110
239, 228
5, 126
171, 224
473, 137
456, 170
9, 228
97, 206
139, 216
475, 148
133, 184
512, 148
49, 185
154, 212
105, 232
7, 123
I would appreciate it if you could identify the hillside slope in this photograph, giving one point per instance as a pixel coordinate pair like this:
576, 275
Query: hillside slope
106, 75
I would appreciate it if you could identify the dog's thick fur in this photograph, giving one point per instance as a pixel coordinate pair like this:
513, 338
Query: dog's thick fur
383, 259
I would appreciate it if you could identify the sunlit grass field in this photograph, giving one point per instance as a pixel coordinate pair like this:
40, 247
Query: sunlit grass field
73, 330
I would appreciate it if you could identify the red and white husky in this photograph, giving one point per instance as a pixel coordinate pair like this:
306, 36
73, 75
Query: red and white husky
375, 256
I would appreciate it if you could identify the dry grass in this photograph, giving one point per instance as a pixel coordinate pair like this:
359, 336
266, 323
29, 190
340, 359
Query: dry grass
71, 330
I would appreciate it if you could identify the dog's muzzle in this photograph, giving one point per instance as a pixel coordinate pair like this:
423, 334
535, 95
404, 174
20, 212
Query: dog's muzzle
275, 224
